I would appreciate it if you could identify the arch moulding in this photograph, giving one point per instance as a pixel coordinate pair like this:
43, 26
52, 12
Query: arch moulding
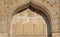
26, 5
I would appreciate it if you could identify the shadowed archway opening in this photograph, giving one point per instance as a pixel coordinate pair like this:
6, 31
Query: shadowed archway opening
42, 13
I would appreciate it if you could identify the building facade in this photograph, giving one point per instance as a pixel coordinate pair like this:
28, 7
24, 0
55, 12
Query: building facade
29, 18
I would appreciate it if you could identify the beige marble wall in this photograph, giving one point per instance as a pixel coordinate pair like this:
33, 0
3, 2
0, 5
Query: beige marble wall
8, 6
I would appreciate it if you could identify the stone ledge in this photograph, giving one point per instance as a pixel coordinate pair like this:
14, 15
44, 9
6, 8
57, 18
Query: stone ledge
55, 34
3, 35
27, 36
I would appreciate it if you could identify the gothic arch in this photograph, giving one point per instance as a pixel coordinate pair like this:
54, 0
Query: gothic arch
36, 6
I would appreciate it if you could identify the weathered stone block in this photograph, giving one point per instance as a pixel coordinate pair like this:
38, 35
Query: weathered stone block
55, 34
3, 35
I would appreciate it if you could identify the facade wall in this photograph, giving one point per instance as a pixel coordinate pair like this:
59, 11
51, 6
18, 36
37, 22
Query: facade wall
7, 7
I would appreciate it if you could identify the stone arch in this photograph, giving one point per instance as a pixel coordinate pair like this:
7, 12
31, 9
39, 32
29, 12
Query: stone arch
36, 6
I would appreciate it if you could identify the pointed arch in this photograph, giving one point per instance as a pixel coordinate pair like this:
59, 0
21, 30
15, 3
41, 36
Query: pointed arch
36, 6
